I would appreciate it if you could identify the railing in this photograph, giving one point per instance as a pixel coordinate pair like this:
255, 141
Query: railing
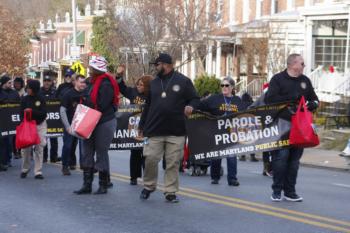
255, 87
315, 77
241, 86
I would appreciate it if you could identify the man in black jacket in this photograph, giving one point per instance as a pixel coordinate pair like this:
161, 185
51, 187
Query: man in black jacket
162, 122
6, 142
49, 93
289, 85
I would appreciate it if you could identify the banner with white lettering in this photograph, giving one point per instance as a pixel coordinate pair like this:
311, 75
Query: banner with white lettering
255, 130
10, 118
126, 136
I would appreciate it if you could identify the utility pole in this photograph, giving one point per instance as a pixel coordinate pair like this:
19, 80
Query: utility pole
74, 15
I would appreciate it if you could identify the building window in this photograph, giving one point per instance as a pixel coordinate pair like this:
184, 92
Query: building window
329, 43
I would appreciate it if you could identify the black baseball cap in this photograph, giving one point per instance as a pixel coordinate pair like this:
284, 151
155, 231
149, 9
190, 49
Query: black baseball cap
47, 78
164, 58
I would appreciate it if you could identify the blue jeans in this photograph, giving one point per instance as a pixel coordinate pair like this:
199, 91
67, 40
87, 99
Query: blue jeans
215, 168
66, 149
285, 166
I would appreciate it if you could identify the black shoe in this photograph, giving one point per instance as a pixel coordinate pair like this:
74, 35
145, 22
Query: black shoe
24, 175
276, 197
215, 181
101, 190
59, 159
72, 167
233, 183
171, 198
65, 171
133, 182
109, 185
3, 168
145, 193
39, 177
253, 159
242, 158
293, 197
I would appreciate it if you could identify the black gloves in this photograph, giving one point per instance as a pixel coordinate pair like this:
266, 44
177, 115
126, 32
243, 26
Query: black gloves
312, 105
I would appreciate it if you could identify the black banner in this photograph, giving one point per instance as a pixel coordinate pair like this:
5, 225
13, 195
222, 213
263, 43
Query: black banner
10, 118
126, 136
247, 132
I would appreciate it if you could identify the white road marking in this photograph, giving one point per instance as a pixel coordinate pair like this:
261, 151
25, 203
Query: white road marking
341, 185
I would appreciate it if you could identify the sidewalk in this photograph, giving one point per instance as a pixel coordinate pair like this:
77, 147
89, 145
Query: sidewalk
324, 159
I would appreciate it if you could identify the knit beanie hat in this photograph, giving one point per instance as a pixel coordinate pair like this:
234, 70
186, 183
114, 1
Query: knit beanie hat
3, 80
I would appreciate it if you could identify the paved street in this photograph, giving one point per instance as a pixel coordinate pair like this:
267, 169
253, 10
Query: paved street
49, 206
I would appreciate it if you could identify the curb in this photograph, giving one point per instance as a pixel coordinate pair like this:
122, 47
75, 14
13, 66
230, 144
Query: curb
325, 167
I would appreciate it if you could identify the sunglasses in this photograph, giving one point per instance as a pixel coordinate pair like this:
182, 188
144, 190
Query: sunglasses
224, 85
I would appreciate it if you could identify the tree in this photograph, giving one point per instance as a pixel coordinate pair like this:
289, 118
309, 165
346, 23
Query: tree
13, 44
207, 84
138, 30
101, 42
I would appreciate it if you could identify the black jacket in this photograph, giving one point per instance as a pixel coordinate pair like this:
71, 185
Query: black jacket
105, 98
283, 88
37, 104
62, 89
9, 95
132, 94
165, 116
219, 105
48, 94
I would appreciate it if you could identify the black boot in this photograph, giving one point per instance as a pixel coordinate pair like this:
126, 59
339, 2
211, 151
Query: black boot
109, 183
103, 181
87, 185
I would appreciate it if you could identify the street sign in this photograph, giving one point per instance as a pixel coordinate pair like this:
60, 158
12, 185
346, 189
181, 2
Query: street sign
78, 68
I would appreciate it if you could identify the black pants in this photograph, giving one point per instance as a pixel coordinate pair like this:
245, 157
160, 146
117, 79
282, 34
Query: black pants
73, 158
285, 166
136, 163
53, 149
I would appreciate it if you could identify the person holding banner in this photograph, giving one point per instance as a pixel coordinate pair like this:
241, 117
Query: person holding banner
221, 105
289, 85
69, 102
6, 142
49, 93
136, 96
171, 95
104, 97
37, 104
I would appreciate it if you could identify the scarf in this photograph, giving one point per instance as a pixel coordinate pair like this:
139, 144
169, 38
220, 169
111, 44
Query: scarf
96, 86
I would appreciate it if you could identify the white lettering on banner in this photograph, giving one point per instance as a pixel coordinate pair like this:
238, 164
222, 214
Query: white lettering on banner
134, 120
15, 118
53, 116
246, 137
239, 122
126, 145
126, 133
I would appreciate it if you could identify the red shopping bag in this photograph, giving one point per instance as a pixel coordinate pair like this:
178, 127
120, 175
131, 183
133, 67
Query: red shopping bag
26, 132
302, 132
85, 120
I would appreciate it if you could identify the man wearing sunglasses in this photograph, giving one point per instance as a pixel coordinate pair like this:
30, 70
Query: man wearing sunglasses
171, 96
289, 85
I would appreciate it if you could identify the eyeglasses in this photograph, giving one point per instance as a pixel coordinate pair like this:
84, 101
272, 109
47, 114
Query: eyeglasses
224, 85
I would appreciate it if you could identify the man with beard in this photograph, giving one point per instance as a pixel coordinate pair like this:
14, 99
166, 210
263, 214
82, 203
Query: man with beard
171, 96
48, 92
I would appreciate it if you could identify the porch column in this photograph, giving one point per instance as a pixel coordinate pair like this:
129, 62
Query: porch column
193, 62
308, 47
209, 59
218, 59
